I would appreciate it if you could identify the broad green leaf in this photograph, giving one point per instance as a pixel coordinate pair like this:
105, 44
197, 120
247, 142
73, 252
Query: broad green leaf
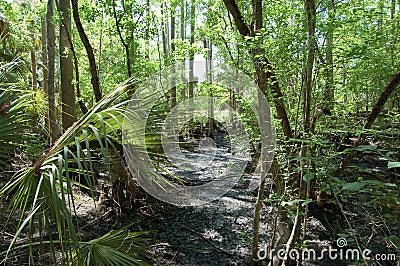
393, 165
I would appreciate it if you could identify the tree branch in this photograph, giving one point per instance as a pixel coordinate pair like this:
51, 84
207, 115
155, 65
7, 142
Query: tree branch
393, 84
89, 50
232, 7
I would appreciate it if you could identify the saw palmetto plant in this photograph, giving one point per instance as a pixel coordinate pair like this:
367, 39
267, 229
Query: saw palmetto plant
40, 203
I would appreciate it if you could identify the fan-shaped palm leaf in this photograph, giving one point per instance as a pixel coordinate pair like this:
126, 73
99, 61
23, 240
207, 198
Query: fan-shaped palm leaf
11, 123
114, 248
43, 193
12, 101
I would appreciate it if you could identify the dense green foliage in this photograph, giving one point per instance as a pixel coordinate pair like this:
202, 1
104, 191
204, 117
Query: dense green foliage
356, 54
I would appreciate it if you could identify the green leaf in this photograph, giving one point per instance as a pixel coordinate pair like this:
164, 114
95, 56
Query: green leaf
393, 164
395, 240
308, 177
355, 186
366, 148
387, 216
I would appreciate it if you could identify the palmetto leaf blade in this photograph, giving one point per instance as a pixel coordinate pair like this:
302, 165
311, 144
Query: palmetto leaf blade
49, 184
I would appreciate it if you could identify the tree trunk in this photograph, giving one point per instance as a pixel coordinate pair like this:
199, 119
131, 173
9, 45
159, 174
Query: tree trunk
173, 83
44, 57
147, 44
89, 50
183, 36
81, 104
211, 124
329, 89
182, 19
126, 46
263, 67
304, 188
68, 101
265, 75
191, 52
33, 61
51, 44
100, 47
164, 27
45, 64
393, 84
310, 11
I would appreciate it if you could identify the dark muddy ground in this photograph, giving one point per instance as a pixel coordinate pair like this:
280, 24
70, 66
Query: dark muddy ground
219, 233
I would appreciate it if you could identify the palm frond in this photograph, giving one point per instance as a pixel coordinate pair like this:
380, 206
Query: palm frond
118, 247
45, 191
12, 119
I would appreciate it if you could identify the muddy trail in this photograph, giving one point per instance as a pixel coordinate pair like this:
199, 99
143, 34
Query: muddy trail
220, 232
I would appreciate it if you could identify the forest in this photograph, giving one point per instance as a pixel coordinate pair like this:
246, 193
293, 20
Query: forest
176, 132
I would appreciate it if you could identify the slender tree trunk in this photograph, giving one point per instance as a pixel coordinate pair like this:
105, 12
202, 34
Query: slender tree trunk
147, 44
381, 5
100, 47
265, 78
81, 104
259, 64
163, 30
264, 69
393, 29
89, 50
329, 89
51, 44
395, 26
173, 13
45, 64
182, 36
126, 45
304, 187
68, 101
33, 56
191, 52
33, 61
310, 10
182, 19
44, 57
393, 84
173, 83
208, 46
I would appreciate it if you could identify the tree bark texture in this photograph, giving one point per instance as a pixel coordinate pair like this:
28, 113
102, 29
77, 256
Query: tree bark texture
68, 101
191, 52
172, 55
263, 68
51, 47
310, 11
329, 88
